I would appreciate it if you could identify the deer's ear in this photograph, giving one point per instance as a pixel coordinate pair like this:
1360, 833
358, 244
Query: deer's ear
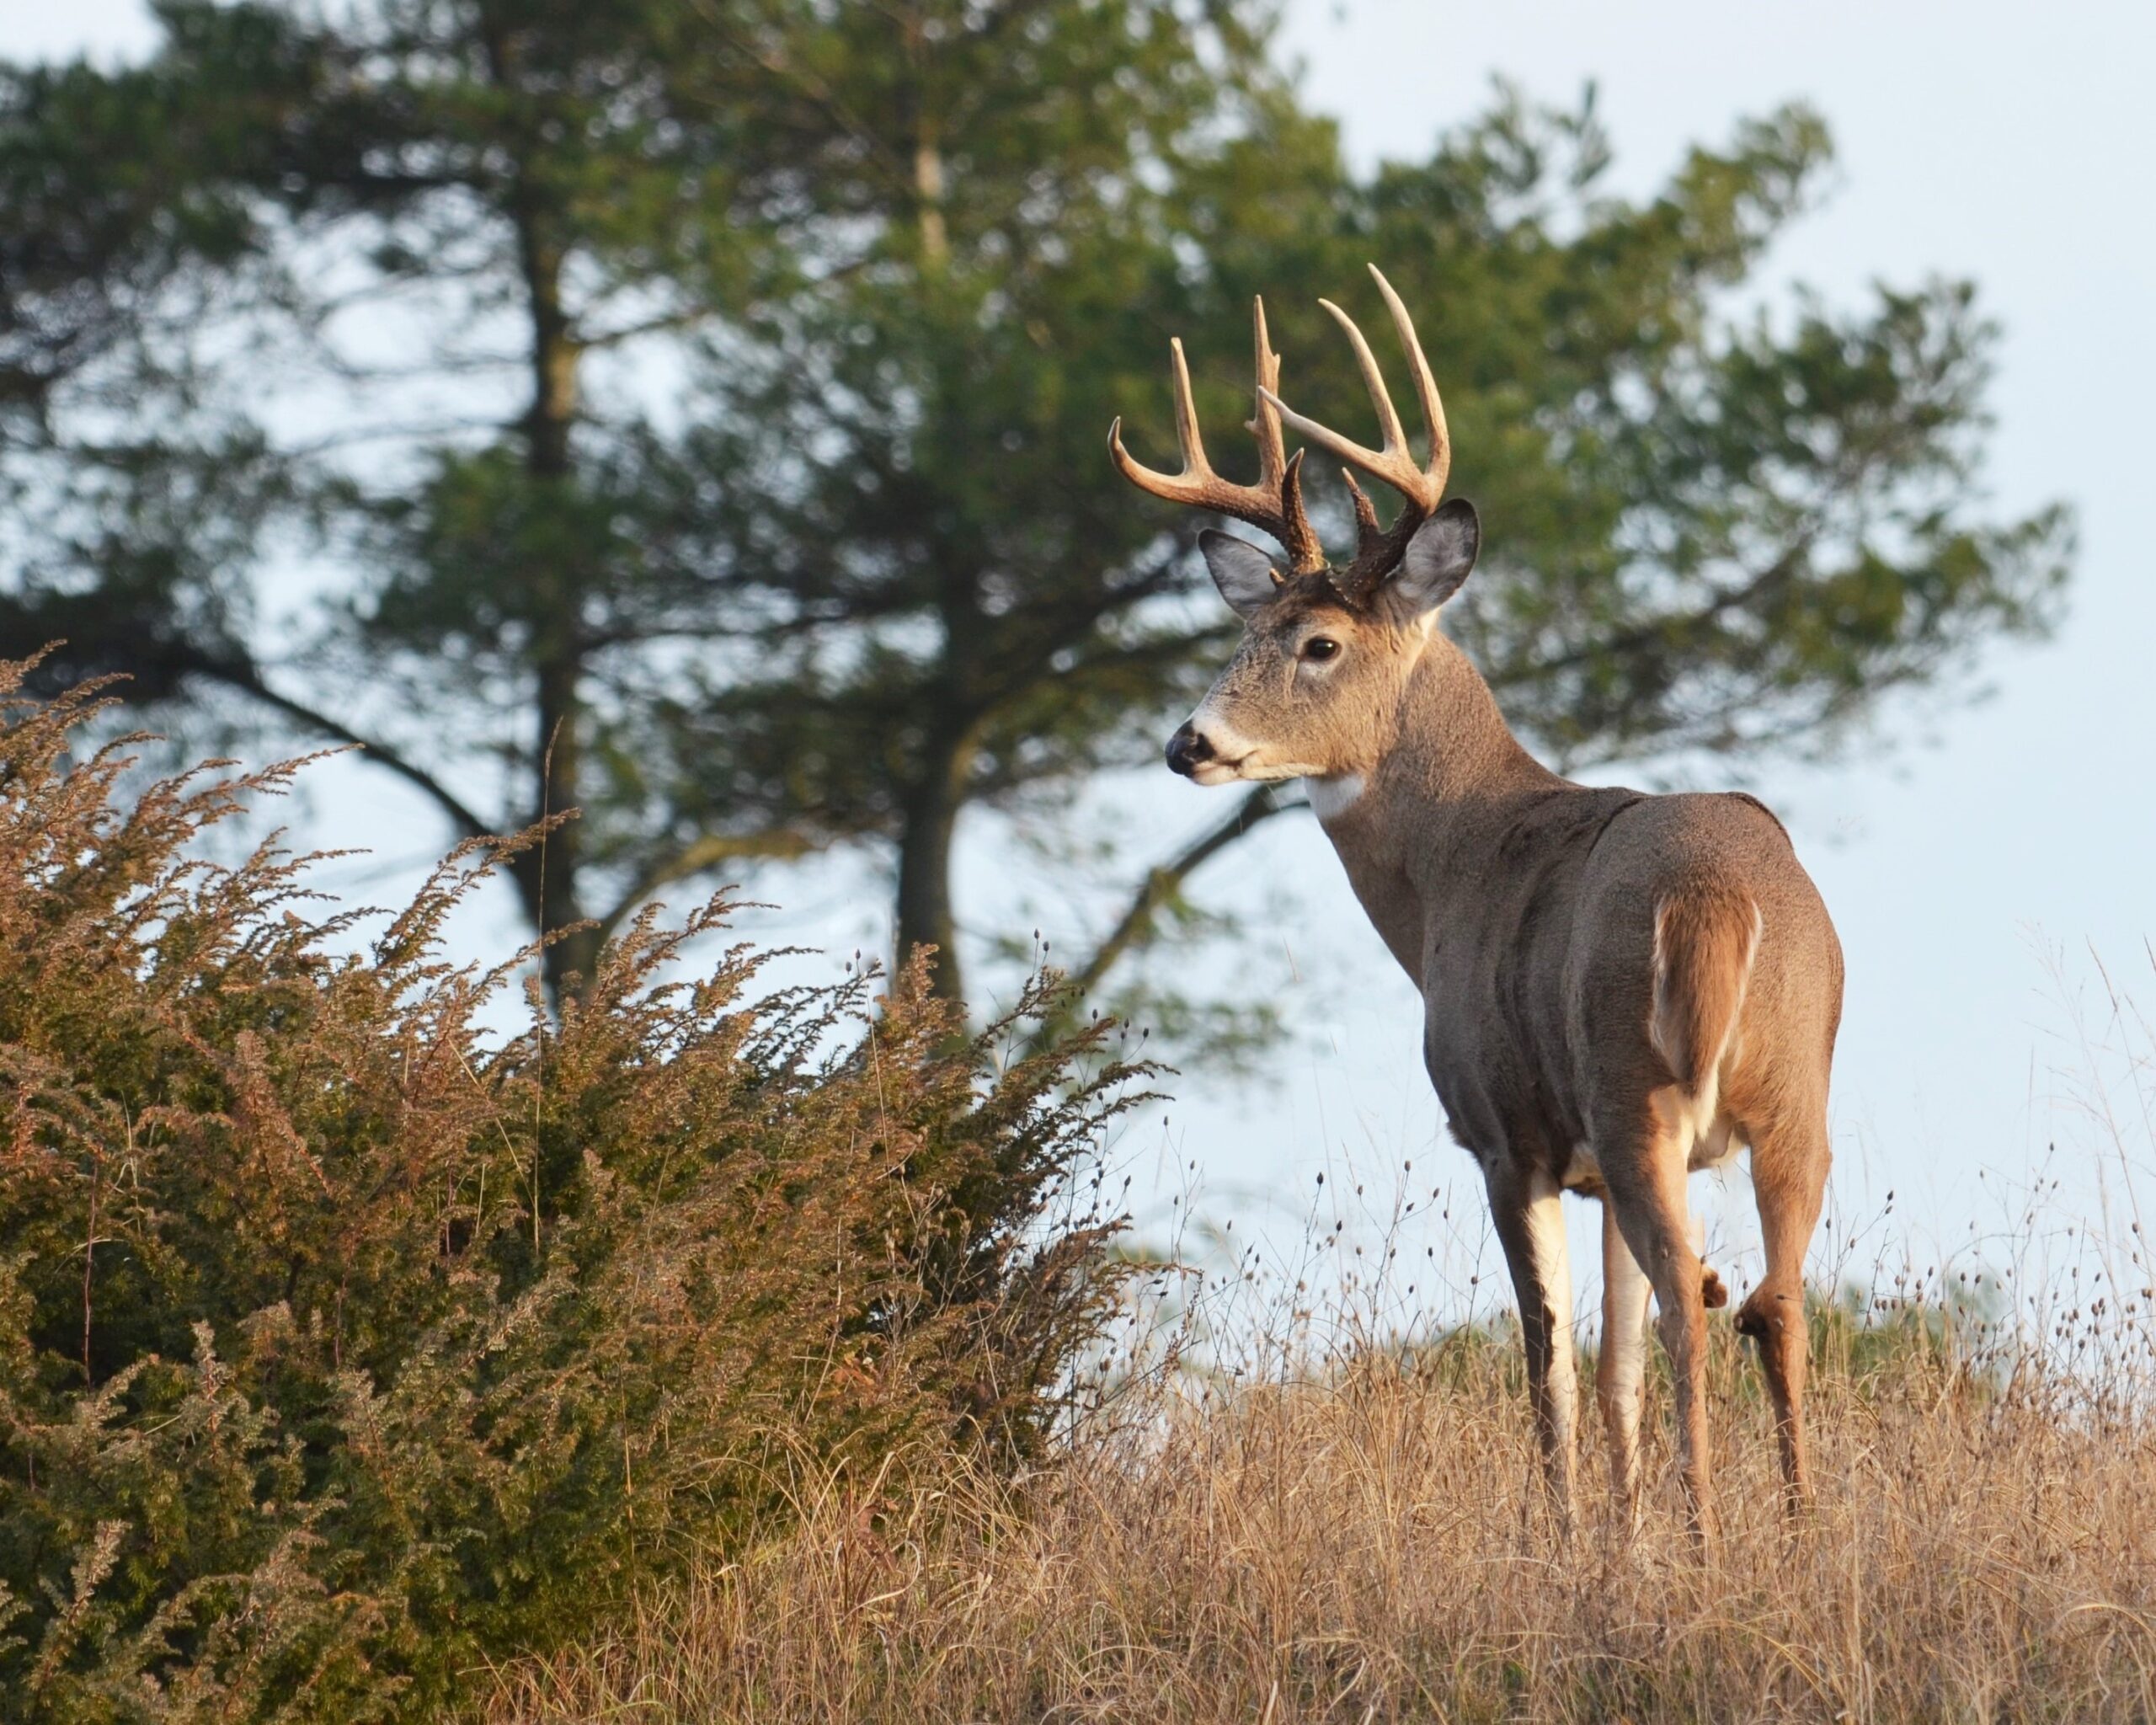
1439, 557
1243, 572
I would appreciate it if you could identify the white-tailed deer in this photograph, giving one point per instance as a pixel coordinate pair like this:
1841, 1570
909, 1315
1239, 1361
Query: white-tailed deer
1617, 988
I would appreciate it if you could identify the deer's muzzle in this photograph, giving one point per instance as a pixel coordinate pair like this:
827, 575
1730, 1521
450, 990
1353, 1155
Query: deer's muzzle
1187, 750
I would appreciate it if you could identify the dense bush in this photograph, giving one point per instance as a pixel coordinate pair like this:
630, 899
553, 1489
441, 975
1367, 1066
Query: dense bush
349, 1346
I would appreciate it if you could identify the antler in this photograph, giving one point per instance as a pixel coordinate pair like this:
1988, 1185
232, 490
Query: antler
1275, 504
1377, 551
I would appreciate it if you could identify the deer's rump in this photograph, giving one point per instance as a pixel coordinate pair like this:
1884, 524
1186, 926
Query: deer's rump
1704, 959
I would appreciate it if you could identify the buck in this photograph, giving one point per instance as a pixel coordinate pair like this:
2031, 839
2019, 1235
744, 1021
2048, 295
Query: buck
1618, 988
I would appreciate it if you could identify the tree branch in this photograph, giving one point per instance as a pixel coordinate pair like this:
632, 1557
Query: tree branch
1725, 601
656, 324
696, 857
1135, 925
247, 680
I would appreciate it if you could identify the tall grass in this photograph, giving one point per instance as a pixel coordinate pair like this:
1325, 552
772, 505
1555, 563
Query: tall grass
1292, 1499
1365, 1544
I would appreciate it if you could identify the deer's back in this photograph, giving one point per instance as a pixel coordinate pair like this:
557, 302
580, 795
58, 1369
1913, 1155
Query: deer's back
1541, 989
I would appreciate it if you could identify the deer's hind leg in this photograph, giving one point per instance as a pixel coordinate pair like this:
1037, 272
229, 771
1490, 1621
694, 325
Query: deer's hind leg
1789, 1180
1644, 1154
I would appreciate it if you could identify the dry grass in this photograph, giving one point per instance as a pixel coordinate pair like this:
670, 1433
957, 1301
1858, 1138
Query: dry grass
1283, 1511
1365, 1545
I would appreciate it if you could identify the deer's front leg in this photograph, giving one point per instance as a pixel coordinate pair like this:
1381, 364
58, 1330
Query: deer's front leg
1528, 1213
1620, 1369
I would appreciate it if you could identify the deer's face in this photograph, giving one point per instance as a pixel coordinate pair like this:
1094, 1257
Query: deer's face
1316, 685
1310, 686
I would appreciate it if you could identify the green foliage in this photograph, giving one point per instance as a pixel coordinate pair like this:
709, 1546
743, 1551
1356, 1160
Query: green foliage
1705, 533
350, 1343
555, 203
714, 399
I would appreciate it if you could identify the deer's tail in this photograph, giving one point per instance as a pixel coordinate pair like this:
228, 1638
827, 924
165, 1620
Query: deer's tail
1705, 939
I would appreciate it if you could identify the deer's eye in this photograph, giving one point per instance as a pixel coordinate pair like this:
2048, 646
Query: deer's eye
1319, 647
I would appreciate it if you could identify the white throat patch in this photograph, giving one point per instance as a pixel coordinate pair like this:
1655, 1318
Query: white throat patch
1332, 796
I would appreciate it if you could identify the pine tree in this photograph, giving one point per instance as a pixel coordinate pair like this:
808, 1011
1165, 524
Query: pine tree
692, 414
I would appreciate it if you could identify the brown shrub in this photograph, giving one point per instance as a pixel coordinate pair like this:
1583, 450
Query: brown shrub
345, 1345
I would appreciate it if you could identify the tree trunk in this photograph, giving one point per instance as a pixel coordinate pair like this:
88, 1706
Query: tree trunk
925, 914
549, 871
549, 875
558, 643
927, 151
928, 190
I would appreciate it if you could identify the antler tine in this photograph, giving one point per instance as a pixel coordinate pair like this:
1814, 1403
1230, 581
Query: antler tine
1394, 434
1264, 421
1367, 532
1393, 463
1274, 505
1426, 387
1377, 550
1197, 481
1279, 474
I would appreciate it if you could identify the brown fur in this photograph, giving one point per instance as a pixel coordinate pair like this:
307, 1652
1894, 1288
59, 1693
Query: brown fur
1704, 942
1615, 986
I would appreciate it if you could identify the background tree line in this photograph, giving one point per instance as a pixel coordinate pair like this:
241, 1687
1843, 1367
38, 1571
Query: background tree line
690, 412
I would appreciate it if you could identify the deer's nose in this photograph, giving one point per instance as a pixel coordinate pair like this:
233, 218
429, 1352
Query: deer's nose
1188, 751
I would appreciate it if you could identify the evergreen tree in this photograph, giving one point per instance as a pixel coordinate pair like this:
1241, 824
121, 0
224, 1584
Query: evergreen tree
1702, 535
692, 414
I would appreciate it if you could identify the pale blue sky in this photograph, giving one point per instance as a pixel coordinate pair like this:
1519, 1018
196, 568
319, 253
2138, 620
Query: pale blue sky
2006, 143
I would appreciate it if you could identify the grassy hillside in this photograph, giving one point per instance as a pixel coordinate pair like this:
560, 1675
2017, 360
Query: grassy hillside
1363, 1546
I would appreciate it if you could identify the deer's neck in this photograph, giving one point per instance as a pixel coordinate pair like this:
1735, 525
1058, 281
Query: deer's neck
1422, 823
